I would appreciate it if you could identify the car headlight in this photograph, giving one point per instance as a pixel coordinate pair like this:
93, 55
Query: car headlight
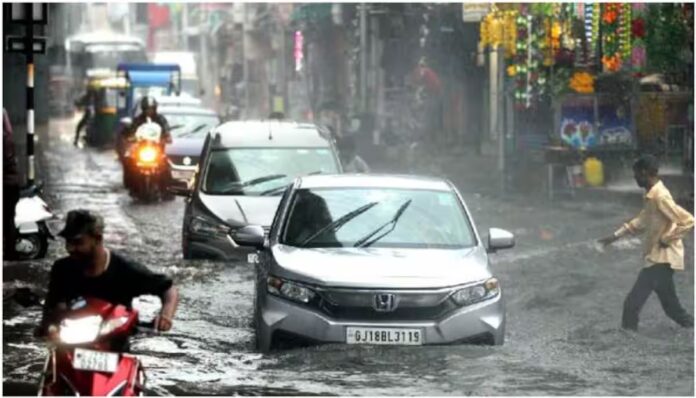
205, 226
291, 290
477, 293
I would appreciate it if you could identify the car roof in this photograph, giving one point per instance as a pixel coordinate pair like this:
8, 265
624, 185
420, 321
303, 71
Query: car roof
270, 133
387, 181
185, 110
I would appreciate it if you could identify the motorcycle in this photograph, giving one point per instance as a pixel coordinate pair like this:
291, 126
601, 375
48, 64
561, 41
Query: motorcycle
31, 222
87, 352
146, 160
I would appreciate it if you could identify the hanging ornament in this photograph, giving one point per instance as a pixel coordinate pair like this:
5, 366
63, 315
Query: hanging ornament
625, 33
638, 51
611, 55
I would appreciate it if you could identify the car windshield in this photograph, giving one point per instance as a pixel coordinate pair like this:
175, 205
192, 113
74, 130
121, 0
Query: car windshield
376, 217
262, 171
190, 125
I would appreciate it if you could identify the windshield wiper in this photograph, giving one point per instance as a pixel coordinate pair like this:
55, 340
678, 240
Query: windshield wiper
274, 190
335, 225
282, 187
366, 242
237, 187
261, 180
194, 131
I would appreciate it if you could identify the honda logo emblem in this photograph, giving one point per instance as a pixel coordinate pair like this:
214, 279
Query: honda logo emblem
385, 302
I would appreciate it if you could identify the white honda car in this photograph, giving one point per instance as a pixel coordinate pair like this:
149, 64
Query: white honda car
375, 259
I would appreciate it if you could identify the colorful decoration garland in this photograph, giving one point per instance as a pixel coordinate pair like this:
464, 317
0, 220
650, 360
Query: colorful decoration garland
638, 53
611, 58
499, 28
582, 82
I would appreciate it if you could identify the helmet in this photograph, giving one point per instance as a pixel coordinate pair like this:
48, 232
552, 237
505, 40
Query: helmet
148, 102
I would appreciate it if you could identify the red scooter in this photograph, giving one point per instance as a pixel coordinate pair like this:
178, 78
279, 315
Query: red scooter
86, 353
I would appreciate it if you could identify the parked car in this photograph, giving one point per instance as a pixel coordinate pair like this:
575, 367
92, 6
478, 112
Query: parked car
244, 168
375, 259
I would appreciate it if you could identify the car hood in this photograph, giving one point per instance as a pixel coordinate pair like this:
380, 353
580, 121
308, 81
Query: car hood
185, 147
242, 210
381, 267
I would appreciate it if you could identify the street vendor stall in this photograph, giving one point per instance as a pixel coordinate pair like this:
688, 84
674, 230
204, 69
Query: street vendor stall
575, 82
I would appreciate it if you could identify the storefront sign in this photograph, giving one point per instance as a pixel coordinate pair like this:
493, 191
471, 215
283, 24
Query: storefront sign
474, 12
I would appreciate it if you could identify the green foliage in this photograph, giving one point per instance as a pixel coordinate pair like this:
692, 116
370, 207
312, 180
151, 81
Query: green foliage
666, 39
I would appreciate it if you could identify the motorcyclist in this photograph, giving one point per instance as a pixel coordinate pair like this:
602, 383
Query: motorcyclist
91, 270
148, 106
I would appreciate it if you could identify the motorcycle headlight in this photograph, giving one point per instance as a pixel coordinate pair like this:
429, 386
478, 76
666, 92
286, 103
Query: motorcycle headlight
112, 324
81, 330
291, 290
205, 226
148, 154
477, 293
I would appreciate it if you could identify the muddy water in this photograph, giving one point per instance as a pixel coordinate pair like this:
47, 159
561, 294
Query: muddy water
564, 301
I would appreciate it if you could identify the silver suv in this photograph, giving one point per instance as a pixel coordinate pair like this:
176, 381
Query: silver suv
245, 167
375, 259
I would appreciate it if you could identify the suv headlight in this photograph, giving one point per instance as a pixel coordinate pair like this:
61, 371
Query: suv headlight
291, 290
477, 293
206, 226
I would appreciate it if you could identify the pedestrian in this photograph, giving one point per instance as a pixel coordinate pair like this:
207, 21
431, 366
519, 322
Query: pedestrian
86, 102
352, 162
10, 185
664, 224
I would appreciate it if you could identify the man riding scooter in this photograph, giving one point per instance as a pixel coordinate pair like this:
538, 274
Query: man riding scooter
148, 105
91, 270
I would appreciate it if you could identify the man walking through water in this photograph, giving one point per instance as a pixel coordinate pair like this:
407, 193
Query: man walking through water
663, 224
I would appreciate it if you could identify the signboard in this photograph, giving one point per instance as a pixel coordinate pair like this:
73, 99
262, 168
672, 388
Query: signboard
474, 12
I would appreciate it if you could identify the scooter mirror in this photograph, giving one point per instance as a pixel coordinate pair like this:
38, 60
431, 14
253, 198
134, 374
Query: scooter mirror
148, 307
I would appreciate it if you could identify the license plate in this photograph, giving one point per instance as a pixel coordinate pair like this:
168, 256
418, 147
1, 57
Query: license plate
383, 336
181, 175
252, 258
97, 361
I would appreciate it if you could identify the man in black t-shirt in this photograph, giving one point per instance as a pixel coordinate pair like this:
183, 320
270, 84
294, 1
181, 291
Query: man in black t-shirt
91, 270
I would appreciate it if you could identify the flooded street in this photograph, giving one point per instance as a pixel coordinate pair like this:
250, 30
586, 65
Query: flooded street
564, 299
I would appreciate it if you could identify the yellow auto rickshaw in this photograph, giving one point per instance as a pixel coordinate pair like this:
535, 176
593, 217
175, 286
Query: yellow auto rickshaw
106, 94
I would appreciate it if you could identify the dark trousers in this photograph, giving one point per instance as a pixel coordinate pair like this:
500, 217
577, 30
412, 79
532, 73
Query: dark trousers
658, 278
82, 124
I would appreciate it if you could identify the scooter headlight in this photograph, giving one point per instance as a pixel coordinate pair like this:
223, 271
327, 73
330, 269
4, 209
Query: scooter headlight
112, 324
81, 330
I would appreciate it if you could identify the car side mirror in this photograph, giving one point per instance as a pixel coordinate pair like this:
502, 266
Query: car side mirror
499, 239
251, 235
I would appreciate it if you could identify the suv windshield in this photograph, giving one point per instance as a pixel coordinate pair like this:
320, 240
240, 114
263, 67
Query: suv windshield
377, 217
190, 125
258, 171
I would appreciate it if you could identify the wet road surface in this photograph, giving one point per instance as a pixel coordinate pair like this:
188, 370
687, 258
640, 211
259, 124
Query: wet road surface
564, 300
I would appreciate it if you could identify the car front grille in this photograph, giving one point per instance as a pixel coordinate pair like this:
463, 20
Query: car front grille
358, 305
179, 160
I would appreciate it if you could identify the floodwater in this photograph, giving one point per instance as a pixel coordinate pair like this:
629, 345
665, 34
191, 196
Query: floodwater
564, 300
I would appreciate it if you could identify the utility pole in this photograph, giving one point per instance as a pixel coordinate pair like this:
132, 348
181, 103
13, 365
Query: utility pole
184, 25
29, 14
363, 56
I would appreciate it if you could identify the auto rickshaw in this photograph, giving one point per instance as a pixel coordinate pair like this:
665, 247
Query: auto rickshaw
108, 94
